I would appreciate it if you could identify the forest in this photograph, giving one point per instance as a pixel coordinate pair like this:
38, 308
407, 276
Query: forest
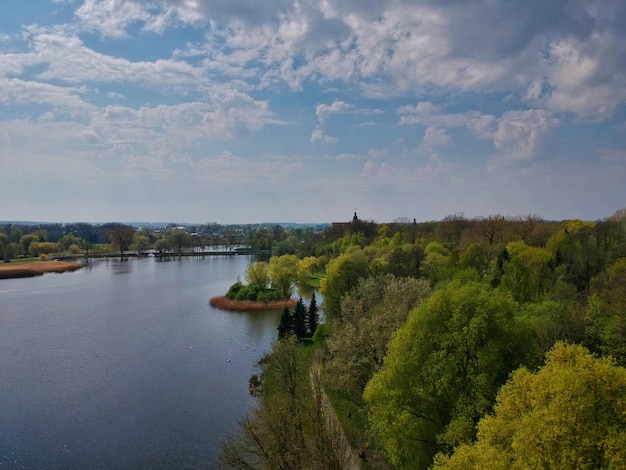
494, 342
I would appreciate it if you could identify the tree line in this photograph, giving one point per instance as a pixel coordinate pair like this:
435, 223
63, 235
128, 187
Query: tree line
33, 240
495, 342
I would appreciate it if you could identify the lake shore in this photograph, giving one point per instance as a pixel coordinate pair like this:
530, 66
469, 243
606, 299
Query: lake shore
224, 303
36, 268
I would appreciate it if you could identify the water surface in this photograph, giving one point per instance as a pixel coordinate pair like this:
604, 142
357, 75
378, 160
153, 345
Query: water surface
124, 364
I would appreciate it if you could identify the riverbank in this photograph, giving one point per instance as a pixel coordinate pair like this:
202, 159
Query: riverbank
36, 268
224, 303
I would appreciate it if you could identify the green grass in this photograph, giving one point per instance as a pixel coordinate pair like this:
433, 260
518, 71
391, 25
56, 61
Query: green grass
316, 278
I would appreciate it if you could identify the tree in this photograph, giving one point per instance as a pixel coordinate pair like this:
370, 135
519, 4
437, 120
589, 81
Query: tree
273, 436
285, 327
313, 315
491, 228
283, 272
528, 274
300, 319
179, 238
37, 248
569, 414
306, 267
342, 274
121, 238
141, 242
606, 325
258, 275
26, 240
442, 372
161, 245
370, 313
576, 248
4, 242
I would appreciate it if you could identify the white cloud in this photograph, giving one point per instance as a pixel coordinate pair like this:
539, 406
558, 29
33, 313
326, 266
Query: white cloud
111, 17
323, 112
65, 100
67, 59
516, 135
519, 133
434, 137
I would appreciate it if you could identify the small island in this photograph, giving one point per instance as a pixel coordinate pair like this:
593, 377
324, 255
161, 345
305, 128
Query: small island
36, 268
269, 287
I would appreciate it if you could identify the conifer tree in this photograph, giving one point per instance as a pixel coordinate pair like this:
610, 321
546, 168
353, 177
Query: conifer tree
313, 315
300, 319
285, 327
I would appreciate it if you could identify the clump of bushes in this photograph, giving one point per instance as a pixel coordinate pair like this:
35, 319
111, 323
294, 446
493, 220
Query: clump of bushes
252, 293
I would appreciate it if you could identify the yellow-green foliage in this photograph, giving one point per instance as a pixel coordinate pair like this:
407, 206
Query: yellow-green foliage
571, 414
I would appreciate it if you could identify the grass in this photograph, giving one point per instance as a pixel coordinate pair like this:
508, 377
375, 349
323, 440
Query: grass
316, 278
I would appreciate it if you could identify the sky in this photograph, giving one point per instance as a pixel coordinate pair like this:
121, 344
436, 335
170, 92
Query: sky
248, 111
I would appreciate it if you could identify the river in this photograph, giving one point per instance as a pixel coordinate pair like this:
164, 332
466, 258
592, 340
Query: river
124, 364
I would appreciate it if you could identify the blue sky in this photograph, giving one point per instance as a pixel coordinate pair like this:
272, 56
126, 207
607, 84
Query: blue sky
239, 111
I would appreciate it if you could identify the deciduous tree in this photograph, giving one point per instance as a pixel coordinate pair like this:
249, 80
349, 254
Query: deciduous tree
442, 372
283, 272
121, 238
370, 313
342, 274
258, 275
570, 414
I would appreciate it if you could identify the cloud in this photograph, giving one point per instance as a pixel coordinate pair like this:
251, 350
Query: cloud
65, 58
434, 137
519, 133
516, 135
64, 100
323, 112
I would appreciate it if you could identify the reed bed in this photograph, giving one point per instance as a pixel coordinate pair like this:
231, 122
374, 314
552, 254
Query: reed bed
224, 303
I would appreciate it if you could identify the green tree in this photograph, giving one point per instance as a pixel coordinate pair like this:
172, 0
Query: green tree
274, 436
283, 272
26, 240
342, 274
37, 248
313, 315
258, 275
178, 238
285, 327
570, 414
300, 319
162, 245
16, 235
576, 249
606, 319
442, 372
291, 428
141, 242
528, 274
4, 242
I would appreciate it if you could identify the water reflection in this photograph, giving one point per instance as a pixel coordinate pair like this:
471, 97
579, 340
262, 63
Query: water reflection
120, 266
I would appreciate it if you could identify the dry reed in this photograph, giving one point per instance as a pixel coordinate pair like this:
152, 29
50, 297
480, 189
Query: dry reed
224, 303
